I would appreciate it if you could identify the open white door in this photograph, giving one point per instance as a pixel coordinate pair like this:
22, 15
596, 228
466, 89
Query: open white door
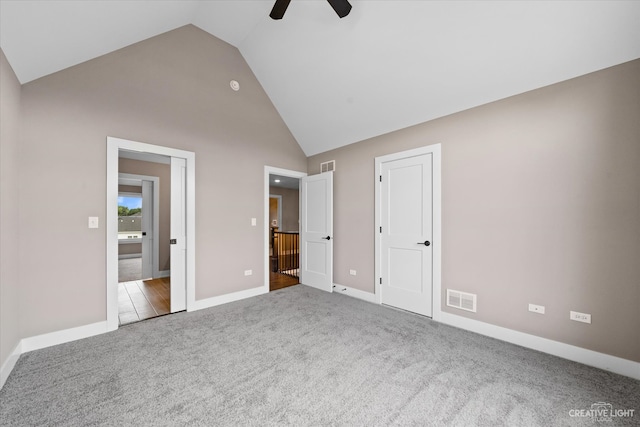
178, 234
406, 233
147, 229
316, 231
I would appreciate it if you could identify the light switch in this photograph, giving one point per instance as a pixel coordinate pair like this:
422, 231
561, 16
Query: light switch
93, 222
253, 222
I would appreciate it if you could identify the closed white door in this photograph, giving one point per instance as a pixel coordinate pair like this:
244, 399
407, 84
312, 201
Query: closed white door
178, 234
316, 231
147, 229
406, 218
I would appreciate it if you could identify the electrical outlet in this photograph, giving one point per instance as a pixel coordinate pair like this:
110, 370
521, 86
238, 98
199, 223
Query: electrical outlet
536, 308
254, 222
248, 272
352, 272
580, 317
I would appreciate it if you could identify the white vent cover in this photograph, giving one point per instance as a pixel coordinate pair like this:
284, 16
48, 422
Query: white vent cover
461, 300
328, 166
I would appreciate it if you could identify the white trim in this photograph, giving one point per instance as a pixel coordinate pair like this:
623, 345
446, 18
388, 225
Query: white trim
164, 273
178, 251
60, 337
227, 298
129, 256
113, 146
436, 151
566, 351
355, 293
268, 170
10, 363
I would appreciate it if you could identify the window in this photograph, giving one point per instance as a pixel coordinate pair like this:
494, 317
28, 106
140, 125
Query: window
129, 217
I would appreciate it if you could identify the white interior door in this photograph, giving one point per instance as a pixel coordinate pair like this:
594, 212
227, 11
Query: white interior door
178, 234
316, 231
147, 229
406, 219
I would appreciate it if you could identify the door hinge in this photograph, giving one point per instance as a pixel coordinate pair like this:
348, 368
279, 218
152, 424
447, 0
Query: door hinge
380, 178
380, 229
381, 280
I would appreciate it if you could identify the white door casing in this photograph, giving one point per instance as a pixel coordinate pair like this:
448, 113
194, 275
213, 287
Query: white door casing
178, 234
408, 230
114, 145
147, 229
316, 231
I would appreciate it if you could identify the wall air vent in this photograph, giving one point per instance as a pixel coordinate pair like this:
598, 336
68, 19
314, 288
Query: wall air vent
329, 166
461, 300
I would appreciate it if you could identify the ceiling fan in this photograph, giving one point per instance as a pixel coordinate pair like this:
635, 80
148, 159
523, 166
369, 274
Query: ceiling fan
342, 8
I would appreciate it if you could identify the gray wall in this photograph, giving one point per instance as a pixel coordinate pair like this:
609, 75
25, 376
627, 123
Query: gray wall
171, 90
163, 172
540, 204
9, 217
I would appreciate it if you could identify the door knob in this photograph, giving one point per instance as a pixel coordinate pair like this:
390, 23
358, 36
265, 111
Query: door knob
426, 243
327, 238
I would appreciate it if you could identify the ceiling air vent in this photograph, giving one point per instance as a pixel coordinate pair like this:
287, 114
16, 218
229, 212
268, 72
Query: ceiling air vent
329, 166
461, 300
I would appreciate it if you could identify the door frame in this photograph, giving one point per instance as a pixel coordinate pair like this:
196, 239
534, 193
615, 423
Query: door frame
268, 170
136, 180
114, 145
435, 150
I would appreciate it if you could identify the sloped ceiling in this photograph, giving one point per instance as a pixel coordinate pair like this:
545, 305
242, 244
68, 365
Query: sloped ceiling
386, 66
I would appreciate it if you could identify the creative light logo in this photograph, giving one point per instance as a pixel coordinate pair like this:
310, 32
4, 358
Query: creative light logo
602, 412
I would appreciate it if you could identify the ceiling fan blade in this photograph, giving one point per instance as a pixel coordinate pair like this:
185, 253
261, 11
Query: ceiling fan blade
279, 9
342, 7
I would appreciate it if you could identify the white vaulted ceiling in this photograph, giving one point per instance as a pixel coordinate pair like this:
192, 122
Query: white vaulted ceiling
386, 66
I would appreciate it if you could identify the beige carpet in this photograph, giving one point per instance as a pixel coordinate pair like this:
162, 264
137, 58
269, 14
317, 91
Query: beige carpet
129, 269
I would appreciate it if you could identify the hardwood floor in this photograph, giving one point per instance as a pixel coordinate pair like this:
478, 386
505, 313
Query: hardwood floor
279, 281
143, 299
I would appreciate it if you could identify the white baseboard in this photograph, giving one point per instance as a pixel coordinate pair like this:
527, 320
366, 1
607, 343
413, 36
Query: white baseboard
8, 364
603, 361
60, 337
224, 299
129, 256
47, 340
355, 293
163, 273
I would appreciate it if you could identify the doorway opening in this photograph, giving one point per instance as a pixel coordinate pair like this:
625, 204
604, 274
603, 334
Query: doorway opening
175, 248
282, 216
284, 231
144, 290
